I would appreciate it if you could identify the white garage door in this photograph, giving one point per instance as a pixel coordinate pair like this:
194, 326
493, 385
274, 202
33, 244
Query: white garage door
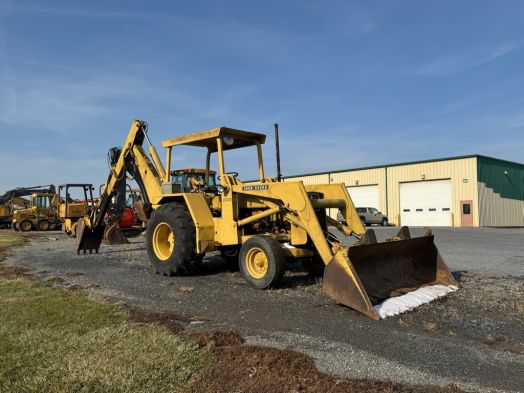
364, 196
426, 203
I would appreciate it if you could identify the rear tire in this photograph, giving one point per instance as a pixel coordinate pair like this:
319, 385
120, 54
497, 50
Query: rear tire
25, 226
262, 262
43, 225
171, 240
385, 222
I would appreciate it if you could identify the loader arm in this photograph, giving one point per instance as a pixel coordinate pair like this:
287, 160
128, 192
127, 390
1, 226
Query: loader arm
300, 211
364, 275
133, 160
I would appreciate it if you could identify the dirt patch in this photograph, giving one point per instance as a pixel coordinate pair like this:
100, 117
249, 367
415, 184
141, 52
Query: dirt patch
269, 370
56, 280
13, 272
243, 369
74, 274
215, 339
171, 320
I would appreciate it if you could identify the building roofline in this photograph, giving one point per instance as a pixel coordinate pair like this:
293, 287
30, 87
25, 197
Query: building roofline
403, 164
500, 160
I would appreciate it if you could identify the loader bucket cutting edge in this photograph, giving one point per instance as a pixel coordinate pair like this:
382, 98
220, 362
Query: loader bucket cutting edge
386, 279
87, 239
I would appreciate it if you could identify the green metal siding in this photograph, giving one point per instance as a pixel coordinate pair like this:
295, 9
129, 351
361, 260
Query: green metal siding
492, 173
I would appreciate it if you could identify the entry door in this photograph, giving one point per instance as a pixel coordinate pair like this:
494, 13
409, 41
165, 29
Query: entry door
466, 213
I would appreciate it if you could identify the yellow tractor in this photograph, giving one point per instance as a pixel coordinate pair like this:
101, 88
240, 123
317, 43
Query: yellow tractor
70, 210
268, 224
41, 215
15, 200
7, 208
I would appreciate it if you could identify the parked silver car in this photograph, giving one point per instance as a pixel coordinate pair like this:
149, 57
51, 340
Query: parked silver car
370, 215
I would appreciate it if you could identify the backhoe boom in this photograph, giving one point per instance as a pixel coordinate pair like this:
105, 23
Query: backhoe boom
133, 161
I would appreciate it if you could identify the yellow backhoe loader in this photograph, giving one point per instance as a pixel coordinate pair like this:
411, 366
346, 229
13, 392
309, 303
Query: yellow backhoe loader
71, 210
268, 223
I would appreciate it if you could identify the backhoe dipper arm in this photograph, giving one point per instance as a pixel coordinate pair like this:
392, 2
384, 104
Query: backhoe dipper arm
134, 161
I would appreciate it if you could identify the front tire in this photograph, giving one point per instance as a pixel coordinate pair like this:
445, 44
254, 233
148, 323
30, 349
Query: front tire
25, 226
385, 222
171, 240
262, 262
43, 225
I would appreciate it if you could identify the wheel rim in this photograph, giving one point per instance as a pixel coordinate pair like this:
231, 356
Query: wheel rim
26, 226
163, 241
44, 225
257, 263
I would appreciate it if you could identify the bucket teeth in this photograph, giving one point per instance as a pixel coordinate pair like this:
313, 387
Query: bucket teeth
403, 234
369, 237
88, 239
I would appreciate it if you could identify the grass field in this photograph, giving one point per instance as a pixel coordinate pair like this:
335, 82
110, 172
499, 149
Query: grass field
9, 239
52, 340
59, 341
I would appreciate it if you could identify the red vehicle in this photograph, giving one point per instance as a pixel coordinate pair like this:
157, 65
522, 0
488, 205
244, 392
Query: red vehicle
128, 219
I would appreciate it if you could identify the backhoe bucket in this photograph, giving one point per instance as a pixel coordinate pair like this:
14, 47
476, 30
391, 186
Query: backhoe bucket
87, 239
386, 279
113, 234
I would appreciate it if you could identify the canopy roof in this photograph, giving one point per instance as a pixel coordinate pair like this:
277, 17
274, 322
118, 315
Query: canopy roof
208, 139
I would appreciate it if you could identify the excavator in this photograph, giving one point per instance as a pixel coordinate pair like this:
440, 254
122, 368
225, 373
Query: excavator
267, 224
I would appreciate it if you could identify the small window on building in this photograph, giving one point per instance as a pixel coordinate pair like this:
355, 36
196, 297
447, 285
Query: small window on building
445, 209
432, 209
466, 208
406, 210
419, 210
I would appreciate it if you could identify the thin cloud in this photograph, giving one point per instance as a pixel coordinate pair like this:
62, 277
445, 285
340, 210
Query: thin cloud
358, 25
455, 63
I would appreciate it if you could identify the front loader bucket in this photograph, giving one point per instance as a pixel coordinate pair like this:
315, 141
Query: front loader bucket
88, 239
386, 279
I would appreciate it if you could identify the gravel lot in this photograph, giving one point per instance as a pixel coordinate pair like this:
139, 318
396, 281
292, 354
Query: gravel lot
473, 338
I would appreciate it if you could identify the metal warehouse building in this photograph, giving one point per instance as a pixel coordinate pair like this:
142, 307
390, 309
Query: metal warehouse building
461, 191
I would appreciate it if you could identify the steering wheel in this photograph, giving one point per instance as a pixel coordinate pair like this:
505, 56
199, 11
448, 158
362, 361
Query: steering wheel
234, 174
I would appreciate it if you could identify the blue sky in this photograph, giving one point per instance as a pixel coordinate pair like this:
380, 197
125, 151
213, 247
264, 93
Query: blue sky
351, 83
